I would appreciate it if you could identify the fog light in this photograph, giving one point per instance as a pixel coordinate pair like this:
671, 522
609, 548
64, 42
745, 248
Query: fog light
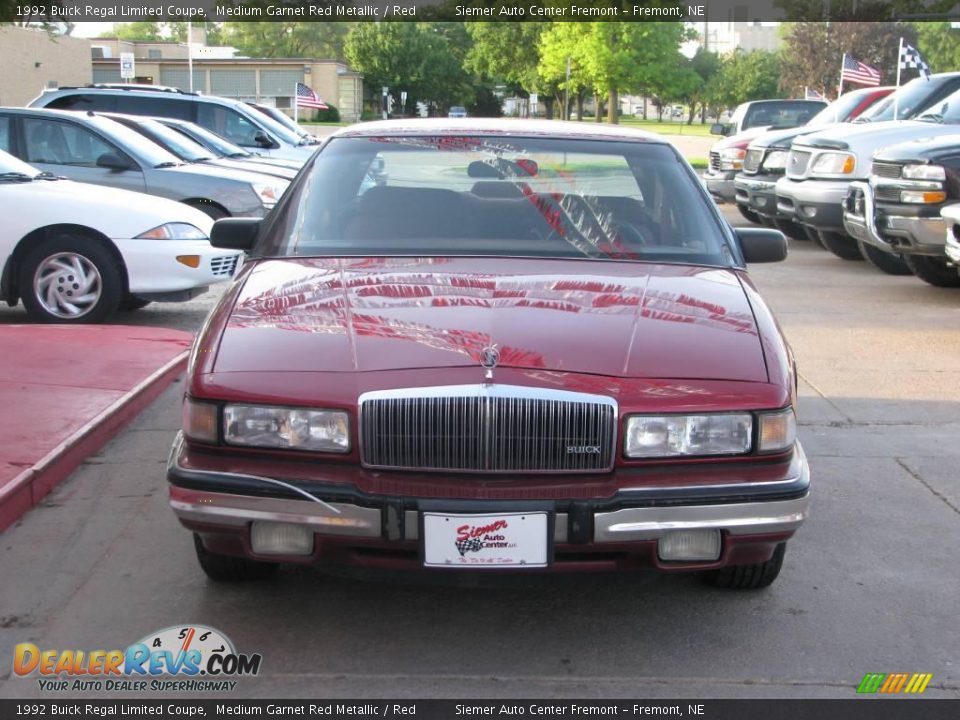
690, 545
760, 201
273, 538
809, 211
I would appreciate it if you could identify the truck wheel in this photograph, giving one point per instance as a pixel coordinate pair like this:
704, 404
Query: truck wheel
226, 568
749, 214
791, 229
887, 262
933, 270
70, 279
814, 236
748, 577
840, 245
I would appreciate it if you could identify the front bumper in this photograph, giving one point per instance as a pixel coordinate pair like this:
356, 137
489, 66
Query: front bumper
898, 234
758, 193
355, 528
720, 184
816, 203
951, 215
154, 272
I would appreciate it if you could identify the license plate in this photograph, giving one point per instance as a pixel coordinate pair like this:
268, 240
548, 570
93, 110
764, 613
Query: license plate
496, 540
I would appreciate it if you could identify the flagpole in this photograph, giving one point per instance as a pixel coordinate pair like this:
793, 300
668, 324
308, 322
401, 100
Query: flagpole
896, 102
296, 105
843, 62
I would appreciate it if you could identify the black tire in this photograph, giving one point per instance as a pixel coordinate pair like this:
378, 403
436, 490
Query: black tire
886, 262
933, 270
814, 236
749, 214
207, 208
791, 229
748, 577
131, 303
226, 568
842, 246
41, 265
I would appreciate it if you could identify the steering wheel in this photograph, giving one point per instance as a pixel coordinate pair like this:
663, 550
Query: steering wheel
632, 234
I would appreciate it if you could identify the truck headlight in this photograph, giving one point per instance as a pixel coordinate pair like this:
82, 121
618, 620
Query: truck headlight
834, 163
922, 197
924, 172
732, 158
287, 428
269, 194
652, 436
777, 160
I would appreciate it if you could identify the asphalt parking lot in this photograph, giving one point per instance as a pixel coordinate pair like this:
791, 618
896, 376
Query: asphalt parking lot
870, 584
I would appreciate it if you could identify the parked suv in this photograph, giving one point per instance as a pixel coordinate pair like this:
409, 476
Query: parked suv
232, 119
747, 122
821, 166
897, 212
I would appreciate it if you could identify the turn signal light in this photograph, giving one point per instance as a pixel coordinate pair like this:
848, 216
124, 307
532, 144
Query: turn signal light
189, 260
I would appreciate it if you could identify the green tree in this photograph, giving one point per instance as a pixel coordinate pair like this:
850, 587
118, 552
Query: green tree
507, 53
287, 39
745, 76
939, 44
558, 46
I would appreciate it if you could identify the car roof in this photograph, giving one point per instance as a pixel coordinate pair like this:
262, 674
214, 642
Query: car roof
498, 126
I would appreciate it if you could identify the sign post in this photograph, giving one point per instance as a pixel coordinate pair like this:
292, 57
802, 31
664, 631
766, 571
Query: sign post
384, 101
127, 66
533, 104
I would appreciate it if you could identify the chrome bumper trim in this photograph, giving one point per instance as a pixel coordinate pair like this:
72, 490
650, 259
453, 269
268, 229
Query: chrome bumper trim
925, 236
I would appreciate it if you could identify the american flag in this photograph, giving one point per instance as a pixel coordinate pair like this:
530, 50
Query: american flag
855, 71
306, 97
910, 58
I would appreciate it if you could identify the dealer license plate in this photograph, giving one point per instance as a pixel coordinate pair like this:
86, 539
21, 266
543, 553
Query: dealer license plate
498, 540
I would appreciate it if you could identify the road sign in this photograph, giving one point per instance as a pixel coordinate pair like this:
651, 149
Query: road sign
533, 98
127, 68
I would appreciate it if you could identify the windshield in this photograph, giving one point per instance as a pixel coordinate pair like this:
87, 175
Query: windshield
839, 110
180, 145
276, 128
10, 164
947, 111
280, 117
907, 101
780, 113
499, 196
133, 143
211, 141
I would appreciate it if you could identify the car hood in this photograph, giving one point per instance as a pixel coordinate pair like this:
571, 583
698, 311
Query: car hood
378, 314
783, 138
923, 149
224, 173
864, 139
740, 139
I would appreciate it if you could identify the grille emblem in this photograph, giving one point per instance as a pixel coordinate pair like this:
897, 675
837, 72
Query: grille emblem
489, 359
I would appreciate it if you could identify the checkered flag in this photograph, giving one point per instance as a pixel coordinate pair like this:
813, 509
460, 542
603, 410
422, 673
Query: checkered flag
471, 545
910, 58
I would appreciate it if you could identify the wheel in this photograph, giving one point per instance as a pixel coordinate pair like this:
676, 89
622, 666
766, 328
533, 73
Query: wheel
840, 245
209, 209
70, 279
131, 303
226, 568
887, 262
748, 577
814, 236
933, 270
749, 214
791, 229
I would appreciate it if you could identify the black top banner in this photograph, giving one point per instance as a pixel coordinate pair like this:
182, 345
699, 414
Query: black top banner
477, 10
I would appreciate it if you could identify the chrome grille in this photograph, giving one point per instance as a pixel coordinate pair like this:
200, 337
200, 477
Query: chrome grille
751, 163
487, 428
715, 161
886, 193
887, 170
224, 265
797, 163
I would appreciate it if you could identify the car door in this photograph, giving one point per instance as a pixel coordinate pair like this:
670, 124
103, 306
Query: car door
71, 150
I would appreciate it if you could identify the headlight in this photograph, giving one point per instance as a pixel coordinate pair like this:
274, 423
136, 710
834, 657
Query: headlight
777, 160
649, 436
924, 172
922, 197
778, 431
834, 163
269, 194
174, 231
200, 421
289, 428
732, 158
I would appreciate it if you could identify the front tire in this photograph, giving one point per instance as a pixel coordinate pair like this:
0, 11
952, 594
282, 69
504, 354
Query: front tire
933, 270
749, 214
227, 568
70, 279
791, 229
886, 262
748, 577
842, 246
209, 209
131, 303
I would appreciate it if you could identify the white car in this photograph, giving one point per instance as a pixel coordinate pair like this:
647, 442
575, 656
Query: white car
75, 253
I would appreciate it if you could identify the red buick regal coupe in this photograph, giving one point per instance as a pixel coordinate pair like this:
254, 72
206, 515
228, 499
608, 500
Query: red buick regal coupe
492, 346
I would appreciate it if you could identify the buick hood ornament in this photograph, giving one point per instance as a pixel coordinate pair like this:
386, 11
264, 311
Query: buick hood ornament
489, 359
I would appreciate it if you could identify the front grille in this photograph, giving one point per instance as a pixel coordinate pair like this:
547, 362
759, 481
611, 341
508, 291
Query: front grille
797, 163
751, 163
487, 428
224, 265
887, 170
715, 161
886, 193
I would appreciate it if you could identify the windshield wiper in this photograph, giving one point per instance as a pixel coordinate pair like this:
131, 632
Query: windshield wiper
16, 177
931, 118
46, 175
240, 155
167, 165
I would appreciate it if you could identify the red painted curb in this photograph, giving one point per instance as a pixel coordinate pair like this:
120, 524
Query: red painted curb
34, 483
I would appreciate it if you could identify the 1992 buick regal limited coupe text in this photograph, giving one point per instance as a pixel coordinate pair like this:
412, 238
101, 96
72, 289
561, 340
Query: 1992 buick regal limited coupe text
528, 347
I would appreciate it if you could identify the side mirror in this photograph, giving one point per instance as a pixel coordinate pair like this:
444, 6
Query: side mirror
718, 129
235, 233
263, 140
759, 245
113, 161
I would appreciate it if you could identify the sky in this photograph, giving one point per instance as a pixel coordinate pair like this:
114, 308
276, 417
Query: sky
91, 29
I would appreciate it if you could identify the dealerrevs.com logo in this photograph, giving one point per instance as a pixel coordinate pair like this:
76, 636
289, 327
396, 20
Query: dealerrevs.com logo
180, 658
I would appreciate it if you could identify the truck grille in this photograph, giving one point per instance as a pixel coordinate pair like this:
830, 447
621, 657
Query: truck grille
751, 163
886, 193
797, 163
715, 161
224, 265
887, 170
487, 428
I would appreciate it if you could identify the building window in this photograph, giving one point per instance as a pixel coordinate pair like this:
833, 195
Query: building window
52, 84
154, 54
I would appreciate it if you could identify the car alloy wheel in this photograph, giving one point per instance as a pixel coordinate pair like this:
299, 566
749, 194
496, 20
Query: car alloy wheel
67, 285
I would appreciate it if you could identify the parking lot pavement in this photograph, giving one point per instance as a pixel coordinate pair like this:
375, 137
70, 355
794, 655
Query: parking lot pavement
869, 584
